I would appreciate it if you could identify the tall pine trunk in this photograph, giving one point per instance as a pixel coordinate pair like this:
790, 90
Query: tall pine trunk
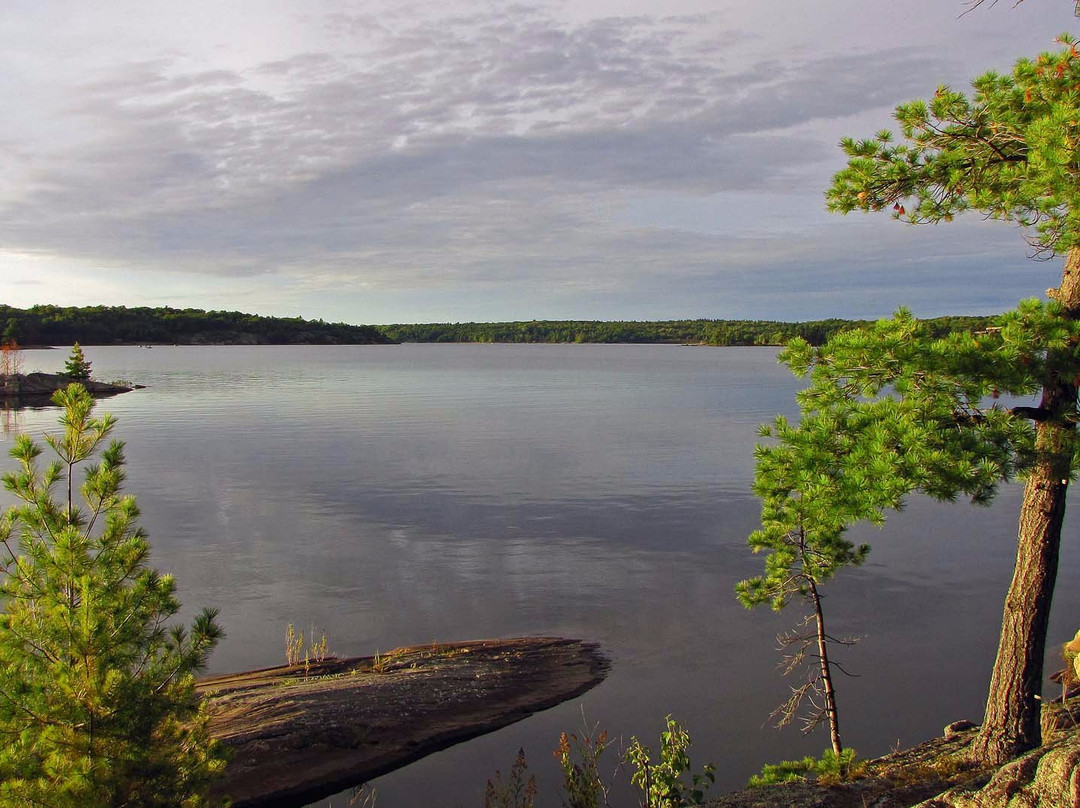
1012, 721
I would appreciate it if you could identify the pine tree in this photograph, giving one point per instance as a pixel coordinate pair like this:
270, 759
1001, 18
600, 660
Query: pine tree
1010, 152
97, 701
804, 517
890, 410
77, 366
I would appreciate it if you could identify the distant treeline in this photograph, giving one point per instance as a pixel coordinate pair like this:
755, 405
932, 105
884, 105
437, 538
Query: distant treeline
707, 332
107, 325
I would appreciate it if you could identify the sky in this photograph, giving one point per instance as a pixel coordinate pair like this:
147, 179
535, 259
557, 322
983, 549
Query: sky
382, 162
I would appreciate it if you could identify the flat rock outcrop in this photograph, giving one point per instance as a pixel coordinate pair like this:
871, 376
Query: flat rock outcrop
43, 385
299, 733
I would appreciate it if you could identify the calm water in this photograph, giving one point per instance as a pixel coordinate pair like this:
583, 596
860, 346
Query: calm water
419, 493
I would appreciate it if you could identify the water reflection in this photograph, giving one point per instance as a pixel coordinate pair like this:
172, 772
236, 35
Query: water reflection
18, 415
9, 419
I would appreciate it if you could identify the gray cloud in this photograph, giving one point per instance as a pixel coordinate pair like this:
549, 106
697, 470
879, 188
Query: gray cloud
477, 149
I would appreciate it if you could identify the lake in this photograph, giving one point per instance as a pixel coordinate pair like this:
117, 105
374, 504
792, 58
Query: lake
394, 495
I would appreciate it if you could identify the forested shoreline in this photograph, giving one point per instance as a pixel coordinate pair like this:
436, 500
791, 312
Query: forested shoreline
112, 325
704, 332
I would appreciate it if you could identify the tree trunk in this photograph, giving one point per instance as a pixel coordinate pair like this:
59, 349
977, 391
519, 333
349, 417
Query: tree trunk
826, 673
1012, 721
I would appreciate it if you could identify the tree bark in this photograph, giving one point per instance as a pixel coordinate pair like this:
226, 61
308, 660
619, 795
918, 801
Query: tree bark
1011, 724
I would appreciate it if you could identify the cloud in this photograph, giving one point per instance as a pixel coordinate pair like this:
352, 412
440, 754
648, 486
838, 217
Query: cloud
483, 148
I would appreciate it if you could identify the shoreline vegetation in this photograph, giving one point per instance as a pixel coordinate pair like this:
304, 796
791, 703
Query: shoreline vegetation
118, 325
302, 732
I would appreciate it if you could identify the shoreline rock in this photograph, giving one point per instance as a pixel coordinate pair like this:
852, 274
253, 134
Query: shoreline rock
300, 734
1047, 777
26, 386
934, 774
897, 780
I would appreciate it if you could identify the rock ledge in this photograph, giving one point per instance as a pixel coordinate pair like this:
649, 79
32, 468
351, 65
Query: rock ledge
43, 385
298, 735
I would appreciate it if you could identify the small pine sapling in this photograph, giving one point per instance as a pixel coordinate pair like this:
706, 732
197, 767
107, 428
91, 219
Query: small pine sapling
97, 691
77, 366
830, 768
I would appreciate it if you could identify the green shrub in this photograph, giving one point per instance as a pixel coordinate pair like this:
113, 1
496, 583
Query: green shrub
661, 782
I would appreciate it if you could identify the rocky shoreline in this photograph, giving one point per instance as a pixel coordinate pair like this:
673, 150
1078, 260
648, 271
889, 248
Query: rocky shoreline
41, 386
299, 733
934, 774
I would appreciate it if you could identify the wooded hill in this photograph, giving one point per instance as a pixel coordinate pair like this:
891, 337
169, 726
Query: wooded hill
108, 325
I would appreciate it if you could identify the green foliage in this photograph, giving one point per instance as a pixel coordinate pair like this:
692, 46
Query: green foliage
77, 366
890, 410
516, 792
916, 413
1009, 151
97, 701
661, 781
830, 767
578, 756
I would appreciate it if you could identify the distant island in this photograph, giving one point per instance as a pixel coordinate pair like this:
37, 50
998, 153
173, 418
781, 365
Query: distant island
679, 332
119, 325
